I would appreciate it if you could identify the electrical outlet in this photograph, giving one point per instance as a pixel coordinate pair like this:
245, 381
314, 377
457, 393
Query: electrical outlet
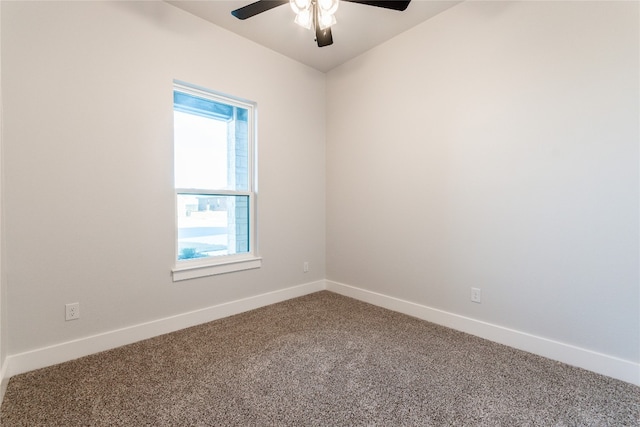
305, 266
476, 295
72, 311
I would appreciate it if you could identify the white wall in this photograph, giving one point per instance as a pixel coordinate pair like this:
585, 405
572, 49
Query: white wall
495, 146
3, 330
89, 204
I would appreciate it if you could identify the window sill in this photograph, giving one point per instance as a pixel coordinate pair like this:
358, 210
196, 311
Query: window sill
202, 270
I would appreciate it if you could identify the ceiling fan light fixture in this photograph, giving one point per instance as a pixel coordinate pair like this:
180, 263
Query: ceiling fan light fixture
325, 20
300, 6
304, 19
328, 7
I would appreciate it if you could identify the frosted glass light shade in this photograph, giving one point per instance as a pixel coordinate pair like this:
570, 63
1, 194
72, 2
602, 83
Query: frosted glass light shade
328, 7
304, 19
325, 20
299, 6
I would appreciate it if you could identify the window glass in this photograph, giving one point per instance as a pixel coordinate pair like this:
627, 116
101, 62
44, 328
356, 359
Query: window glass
211, 225
213, 175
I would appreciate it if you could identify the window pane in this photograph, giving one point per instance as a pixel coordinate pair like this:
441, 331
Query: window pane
211, 144
200, 152
212, 225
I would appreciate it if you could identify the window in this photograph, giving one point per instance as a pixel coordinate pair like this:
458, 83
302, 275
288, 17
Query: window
214, 146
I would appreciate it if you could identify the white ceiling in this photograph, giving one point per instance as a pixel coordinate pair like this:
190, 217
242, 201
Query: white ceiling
359, 27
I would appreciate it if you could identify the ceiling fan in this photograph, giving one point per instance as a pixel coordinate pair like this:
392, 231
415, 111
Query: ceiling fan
317, 14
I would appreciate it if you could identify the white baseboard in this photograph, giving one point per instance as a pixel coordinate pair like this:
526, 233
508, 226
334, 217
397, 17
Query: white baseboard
63, 352
4, 380
596, 362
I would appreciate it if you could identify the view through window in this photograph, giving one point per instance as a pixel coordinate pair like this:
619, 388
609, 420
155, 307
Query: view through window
213, 162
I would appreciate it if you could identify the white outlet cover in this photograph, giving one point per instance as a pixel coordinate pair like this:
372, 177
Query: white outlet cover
476, 295
72, 311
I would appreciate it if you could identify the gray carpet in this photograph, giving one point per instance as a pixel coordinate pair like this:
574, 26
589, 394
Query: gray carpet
322, 359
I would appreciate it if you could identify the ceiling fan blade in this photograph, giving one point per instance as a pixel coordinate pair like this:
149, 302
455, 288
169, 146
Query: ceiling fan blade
257, 7
323, 37
387, 4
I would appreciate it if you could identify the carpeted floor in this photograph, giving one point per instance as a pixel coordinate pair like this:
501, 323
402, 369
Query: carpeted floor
322, 359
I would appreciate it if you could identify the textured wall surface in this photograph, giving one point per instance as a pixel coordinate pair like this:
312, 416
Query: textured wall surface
495, 146
88, 116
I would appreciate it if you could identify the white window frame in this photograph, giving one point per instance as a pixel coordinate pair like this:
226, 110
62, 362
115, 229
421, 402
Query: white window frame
209, 266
